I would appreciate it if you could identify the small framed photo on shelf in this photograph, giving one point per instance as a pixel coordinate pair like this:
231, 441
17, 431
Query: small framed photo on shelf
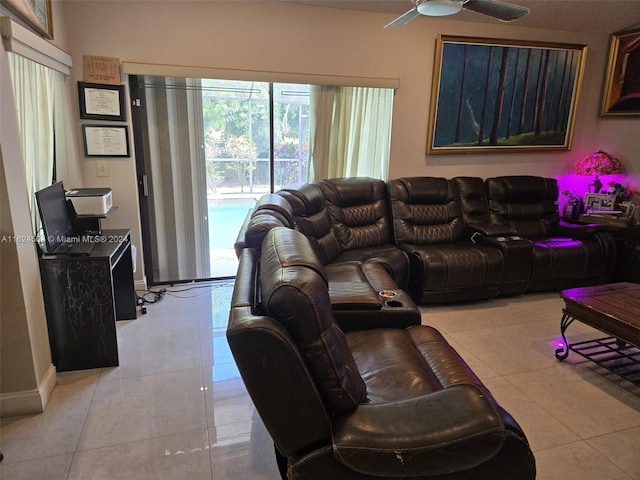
105, 140
101, 102
598, 202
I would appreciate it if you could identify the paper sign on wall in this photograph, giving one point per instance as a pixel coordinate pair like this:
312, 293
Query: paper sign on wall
105, 70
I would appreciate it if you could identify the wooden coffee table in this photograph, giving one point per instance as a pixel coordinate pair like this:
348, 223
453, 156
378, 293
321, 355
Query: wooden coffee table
613, 309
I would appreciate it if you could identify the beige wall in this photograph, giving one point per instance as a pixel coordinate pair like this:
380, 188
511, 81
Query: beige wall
272, 36
27, 376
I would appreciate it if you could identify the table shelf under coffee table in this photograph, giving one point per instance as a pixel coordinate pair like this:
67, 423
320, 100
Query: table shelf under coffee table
614, 309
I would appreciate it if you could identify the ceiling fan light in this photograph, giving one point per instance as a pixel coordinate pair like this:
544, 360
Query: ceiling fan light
439, 8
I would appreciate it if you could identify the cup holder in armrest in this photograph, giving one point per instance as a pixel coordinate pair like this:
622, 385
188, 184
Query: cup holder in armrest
394, 303
387, 293
509, 238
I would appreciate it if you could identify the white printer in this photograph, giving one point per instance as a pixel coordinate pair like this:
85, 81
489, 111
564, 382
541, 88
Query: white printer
90, 201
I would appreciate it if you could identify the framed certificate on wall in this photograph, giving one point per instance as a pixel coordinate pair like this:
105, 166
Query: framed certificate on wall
105, 140
101, 102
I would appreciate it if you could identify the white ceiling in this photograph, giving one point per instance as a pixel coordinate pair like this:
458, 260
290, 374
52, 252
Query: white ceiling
598, 16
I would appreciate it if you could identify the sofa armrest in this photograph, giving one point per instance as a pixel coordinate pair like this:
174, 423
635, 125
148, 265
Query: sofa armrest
241, 241
491, 229
352, 295
578, 231
450, 430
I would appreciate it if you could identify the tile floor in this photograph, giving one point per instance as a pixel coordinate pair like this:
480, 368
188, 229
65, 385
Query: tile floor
176, 409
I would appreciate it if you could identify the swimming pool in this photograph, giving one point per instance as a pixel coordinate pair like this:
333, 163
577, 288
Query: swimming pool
224, 224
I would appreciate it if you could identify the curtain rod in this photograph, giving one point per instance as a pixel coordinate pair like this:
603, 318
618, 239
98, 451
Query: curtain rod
152, 69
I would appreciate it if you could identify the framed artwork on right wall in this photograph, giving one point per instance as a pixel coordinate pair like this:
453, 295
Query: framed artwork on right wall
621, 94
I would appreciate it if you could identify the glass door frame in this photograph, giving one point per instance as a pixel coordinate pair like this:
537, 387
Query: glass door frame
143, 169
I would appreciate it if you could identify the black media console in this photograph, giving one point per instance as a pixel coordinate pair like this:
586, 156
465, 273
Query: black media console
84, 296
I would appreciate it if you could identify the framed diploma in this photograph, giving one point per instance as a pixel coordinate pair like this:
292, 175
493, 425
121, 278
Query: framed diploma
105, 140
101, 102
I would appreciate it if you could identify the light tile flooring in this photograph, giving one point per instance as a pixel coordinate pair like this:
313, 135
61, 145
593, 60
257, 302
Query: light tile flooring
176, 409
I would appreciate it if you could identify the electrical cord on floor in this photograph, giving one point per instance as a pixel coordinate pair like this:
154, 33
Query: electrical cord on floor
157, 295
143, 301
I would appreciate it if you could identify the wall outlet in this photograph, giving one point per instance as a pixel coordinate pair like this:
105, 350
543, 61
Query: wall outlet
102, 167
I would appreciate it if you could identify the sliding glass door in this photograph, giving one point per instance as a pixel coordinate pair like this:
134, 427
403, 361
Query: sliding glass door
206, 150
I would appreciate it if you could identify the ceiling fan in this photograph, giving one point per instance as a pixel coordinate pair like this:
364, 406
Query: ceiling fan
503, 11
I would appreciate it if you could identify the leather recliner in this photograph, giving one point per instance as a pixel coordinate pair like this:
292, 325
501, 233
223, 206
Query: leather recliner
517, 252
370, 404
564, 255
359, 209
445, 265
347, 223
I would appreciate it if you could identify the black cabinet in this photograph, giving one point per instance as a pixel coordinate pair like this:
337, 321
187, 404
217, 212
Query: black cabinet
83, 296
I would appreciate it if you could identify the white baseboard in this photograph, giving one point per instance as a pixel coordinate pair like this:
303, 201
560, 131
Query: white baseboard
29, 402
140, 284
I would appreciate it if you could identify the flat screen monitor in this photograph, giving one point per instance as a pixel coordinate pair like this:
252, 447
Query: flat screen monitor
54, 214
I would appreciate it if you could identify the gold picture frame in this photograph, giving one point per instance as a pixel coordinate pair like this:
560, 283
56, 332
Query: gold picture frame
621, 94
495, 95
35, 14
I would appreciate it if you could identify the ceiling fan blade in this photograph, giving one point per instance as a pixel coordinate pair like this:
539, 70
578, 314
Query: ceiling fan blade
500, 10
404, 18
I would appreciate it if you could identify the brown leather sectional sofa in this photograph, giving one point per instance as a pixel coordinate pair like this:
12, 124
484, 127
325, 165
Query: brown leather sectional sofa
441, 240
329, 344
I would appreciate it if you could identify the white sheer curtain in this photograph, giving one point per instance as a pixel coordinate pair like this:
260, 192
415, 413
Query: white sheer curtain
178, 191
42, 107
350, 132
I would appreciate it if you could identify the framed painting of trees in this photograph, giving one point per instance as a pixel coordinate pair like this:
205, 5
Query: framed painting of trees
502, 96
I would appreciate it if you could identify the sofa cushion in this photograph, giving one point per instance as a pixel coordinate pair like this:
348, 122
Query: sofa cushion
359, 210
473, 200
558, 260
426, 211
462, 271
416, 370
394, 261
295, 293
312, 218
528, 204
402, 364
